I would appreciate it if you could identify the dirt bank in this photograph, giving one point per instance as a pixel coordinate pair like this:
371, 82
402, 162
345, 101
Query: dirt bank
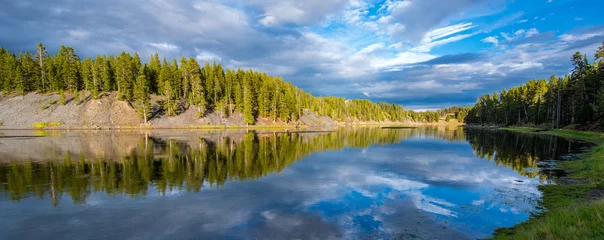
25, 112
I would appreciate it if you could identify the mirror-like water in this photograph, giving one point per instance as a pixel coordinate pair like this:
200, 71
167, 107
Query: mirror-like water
350, 183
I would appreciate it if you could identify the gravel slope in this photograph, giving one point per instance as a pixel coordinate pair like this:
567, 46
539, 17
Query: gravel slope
22, 112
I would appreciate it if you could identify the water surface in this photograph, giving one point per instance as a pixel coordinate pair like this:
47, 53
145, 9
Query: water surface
352, 183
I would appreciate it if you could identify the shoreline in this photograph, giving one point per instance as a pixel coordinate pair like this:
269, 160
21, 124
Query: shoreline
574, 208
237, 127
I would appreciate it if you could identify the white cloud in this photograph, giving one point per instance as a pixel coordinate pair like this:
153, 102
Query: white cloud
428, 46
519, 34
492, 40
531, 32
205, 56
77, 34
279, 12
446, 31
164, 46
371, 48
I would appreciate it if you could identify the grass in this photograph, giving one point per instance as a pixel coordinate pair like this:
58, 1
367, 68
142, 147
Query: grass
575, 210
1, 123
39, 125
521, 129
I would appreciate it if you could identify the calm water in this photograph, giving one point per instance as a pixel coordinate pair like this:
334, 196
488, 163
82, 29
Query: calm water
361, 183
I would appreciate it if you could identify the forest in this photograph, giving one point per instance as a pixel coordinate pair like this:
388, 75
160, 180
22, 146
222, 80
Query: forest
576, 99
184, 84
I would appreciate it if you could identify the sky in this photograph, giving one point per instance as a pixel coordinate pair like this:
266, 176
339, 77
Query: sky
423, 54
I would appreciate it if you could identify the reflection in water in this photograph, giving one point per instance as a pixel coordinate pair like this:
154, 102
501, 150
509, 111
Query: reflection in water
357, 182
519, 151
181, 164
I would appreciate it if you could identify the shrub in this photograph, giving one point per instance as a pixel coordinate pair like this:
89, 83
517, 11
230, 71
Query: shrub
54, 124
62, 98
76, 97
45, 124
44, 106
1, 123
40, 125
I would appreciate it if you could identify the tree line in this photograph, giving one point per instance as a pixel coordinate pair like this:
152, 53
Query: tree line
182, 85
575, 99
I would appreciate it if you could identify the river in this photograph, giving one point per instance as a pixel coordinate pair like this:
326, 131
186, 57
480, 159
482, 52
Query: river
349, 183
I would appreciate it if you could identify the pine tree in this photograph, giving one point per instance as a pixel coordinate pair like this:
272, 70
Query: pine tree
248, 111
62, 100
76, 98
41, 55
125, 76
197, 97
8, 67
31, 74
19, 82
153, 75
87, 74
141, 94
166, 78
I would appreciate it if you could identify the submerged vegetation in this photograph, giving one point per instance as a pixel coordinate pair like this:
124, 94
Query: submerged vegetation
575, 208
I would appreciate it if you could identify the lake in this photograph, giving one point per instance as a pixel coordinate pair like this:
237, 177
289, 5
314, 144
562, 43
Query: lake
350, 183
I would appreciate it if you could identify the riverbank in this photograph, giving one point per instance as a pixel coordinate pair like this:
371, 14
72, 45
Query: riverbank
44, 111
575, 206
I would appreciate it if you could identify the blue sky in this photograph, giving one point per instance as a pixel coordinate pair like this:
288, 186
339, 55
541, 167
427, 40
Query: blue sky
423, 54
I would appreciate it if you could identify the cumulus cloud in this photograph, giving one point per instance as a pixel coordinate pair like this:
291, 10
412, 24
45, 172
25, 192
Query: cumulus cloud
414, 20
492, 40
319, 45
279, 12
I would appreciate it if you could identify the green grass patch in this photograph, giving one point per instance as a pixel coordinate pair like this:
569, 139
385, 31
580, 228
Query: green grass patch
39, 125
575, 210
520, 129
579, 135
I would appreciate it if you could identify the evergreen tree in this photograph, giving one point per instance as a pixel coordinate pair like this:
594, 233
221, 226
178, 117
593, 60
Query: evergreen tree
41, 55
141, 94
197, 96
19, 82
31, 74
248, 107
62, 99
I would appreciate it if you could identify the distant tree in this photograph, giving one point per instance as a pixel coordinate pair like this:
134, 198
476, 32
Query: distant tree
41, 55
19, 82
248, 111
141, 94
62, 100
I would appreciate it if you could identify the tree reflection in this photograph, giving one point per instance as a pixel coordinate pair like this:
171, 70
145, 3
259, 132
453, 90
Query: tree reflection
168, 164
519, 151
155, 163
